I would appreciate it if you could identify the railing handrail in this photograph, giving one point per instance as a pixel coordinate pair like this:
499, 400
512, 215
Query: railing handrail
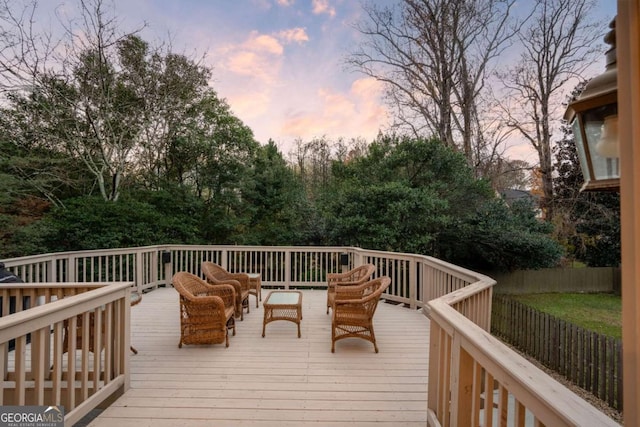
46, 314
9, 262
452, 268
466, 292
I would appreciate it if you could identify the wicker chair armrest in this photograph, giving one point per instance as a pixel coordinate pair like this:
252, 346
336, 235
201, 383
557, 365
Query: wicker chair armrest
229, 282
205, 300
243, 278
226, 292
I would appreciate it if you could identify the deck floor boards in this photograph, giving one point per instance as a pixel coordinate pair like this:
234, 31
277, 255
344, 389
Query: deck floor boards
279, 380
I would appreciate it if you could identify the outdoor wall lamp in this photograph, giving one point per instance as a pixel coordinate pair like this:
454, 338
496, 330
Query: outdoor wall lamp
594, 119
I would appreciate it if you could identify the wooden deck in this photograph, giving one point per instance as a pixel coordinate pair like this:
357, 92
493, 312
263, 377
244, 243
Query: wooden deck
279, 380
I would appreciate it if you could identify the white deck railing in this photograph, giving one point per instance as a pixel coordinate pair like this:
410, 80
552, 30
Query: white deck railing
48, 345
469, 369
476, 380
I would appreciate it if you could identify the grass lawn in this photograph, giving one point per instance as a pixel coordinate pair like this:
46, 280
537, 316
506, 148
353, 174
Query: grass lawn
597, 312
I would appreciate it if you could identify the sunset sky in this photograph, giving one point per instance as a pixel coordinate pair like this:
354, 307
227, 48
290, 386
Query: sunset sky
278, 63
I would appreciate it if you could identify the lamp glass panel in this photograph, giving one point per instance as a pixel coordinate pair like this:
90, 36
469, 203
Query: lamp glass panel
603, 167
582, 155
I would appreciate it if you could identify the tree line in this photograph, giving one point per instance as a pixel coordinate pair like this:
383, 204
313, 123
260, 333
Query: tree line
107, 141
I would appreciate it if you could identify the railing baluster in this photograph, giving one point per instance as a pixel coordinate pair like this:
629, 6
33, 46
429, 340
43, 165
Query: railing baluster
520, 414
98, 337
3, 368
71, 363
57, 363
20, 354
503, 406
86, 346
39, 356
488, 399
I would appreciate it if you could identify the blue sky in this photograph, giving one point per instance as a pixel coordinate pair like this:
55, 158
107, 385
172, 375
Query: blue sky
278, 63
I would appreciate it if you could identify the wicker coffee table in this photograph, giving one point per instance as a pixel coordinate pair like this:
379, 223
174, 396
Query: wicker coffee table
282, 305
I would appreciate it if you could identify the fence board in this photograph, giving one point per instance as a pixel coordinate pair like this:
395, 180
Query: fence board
588, 359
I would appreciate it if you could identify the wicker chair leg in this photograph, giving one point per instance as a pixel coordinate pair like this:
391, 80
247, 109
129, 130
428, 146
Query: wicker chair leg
333, 339
373, 339
231, 324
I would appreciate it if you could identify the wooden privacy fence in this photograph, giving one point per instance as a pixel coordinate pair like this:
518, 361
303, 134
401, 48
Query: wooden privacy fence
588, 359
585, 279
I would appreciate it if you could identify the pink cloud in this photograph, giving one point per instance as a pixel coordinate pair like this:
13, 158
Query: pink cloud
323, 6
257, 58
263, 43
293, 35
286, 3
356, 113
250, 105
243, 63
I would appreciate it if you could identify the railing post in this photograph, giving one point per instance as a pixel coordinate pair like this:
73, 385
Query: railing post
167, 264
357, 259
224, 262
434, 370
154, 264
139, 269
413, 284
287, 268
344, 262
126, 338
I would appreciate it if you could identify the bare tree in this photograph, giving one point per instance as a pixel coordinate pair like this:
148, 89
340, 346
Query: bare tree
312, 162
109, 99
511, 175
23, 49
68, 89
557, 47
434, 57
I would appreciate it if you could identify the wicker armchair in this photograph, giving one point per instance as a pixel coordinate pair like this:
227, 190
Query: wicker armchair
357, 276
353, 310
216, 275
206, 312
